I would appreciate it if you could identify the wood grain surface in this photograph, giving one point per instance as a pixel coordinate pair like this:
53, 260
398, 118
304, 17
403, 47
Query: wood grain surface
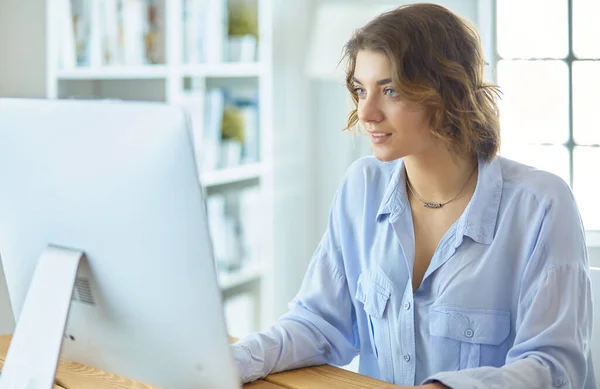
324, 376
77, 376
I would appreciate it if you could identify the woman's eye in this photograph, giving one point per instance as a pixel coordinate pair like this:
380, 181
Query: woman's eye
390, 92
359, 91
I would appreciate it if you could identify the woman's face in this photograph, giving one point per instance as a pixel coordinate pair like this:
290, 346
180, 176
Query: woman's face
396, 128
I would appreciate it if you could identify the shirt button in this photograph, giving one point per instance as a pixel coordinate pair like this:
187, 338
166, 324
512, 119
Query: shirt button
407, 305
469, 333
407, 357
559, 382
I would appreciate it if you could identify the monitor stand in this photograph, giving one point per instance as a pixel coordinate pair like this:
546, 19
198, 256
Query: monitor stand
36, 343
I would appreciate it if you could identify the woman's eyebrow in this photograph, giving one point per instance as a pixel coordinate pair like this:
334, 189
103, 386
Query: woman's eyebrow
380, 82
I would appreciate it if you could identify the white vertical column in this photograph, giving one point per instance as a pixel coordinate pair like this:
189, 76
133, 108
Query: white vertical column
173, 24
23, 66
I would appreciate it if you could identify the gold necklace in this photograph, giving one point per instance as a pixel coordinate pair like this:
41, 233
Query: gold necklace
428, 204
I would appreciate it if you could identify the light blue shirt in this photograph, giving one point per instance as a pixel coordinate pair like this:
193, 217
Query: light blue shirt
505, 303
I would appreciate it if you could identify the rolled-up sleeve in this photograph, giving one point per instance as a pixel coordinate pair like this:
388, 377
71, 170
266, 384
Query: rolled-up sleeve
320, 326
554, 314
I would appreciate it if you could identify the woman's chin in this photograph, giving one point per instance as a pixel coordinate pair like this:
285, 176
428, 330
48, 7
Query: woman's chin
386, 156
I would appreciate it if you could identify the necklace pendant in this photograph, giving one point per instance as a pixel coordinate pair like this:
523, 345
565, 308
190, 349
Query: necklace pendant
432, 205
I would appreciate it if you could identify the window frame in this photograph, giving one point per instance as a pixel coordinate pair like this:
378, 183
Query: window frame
592, 236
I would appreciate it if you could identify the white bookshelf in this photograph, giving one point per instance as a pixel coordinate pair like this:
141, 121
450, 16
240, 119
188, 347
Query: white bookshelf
227, 70
239, 174
230, 281
113, 73
171, 80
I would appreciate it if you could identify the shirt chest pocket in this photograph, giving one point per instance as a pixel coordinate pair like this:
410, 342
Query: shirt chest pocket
373, 291
462, 338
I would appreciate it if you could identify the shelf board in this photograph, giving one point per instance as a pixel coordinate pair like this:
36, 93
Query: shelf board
114, 73
218, 70
232, 175
223, 70
228, 281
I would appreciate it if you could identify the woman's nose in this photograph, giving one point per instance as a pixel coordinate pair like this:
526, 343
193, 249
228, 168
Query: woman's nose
369, 111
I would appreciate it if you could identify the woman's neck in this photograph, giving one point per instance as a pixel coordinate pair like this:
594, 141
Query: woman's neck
438, 176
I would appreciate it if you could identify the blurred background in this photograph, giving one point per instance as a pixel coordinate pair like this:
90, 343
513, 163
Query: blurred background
261, 81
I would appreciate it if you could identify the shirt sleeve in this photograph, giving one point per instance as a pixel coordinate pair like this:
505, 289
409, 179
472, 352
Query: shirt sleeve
554, 314
320, 326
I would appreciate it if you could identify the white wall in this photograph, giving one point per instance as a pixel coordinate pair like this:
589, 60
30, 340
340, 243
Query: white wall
21, 74
334, 149
291, 153
22, 48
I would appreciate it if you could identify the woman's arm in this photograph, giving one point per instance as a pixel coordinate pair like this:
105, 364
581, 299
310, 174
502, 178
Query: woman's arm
320, 326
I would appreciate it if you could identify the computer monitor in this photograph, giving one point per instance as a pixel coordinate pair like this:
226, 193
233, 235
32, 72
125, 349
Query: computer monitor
103, 199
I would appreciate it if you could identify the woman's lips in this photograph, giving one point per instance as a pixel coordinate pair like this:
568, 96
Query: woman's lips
379, 137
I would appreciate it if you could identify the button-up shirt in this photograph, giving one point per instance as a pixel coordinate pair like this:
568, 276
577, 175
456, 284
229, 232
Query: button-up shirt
505, 302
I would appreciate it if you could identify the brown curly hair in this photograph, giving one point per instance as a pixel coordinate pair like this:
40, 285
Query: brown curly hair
439, 63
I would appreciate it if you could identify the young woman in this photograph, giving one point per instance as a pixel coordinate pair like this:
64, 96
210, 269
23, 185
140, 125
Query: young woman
443, 265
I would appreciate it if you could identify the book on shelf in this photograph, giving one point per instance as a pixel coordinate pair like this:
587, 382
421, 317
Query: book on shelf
217, 31
225, 127
251, 145
134, 27
194, 14
234, 222
205, 30
110, 32
211, 139
220, 228
67, 55
131, 32
95, 35
113, 49
250, 215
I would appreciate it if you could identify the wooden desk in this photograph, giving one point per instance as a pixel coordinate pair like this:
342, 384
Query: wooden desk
321, 377
78, 376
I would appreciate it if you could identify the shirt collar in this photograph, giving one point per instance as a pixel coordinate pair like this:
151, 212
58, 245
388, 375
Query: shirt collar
479, 218
395, 199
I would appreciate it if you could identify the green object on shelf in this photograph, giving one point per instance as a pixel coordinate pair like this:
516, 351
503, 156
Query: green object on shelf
242, 20
232, 126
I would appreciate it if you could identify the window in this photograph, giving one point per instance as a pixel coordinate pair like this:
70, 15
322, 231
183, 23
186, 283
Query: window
548, 67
